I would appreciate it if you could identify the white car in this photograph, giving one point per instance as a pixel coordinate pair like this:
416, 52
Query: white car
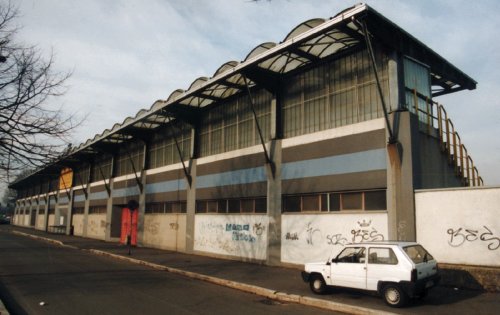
396, 270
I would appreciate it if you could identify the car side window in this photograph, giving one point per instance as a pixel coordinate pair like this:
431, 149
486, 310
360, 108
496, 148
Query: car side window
383, 256
352, 255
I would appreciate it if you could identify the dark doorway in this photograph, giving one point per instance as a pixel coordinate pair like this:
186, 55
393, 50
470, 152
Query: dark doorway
116, 221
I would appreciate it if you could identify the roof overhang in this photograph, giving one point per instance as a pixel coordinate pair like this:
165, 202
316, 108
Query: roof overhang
308, 43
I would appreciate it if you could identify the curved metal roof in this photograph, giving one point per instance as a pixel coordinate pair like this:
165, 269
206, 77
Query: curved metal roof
265, 65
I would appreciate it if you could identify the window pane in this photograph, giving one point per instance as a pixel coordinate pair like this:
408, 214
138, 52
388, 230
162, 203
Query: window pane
212, 206
221, 206
183, 207
247, 205
233, 206
324, 202
334, 202
168, 207
310, 203
383, 256
260, 205
292, 204
230, 138
216, 141
375, 200
352, 201
201, 206
352, 255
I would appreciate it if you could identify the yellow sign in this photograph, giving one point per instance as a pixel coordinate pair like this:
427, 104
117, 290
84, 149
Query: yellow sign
66, 178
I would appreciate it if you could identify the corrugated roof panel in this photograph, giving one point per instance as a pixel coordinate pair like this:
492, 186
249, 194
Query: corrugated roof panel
304, 27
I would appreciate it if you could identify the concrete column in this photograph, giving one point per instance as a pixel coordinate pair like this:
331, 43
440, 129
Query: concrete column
69, 218
47, 207
86, 212
109, 212
36, 210
400, 192
57, 209
274, 205
142, 210
190, 208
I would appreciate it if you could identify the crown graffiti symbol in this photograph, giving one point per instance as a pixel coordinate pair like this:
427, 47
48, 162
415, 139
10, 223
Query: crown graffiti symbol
364, 223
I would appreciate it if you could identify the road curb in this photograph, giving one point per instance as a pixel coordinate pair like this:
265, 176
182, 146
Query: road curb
45, 239
340, 307
3, 310
268, 293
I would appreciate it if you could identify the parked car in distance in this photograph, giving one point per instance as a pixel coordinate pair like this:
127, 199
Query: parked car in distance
4, 219
396, 270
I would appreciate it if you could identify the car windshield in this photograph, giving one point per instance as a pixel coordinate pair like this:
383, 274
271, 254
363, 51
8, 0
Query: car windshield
418, 254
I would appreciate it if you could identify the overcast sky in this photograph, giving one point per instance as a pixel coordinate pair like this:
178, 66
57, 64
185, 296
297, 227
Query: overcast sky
126, 54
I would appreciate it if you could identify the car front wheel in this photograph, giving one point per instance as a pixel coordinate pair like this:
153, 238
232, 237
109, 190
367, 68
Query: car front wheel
317, 284
394, 296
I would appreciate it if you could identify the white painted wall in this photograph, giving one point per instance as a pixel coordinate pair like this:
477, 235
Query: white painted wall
233, 235
26, 220
40, 222
52, 218
96, 226
78, 224
166, 231
317, 237
460, 226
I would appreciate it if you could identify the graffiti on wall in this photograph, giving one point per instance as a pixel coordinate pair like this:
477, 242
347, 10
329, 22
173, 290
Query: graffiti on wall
92, 227
336, 239
292, 236
464, 227
153, 228
240, 232
461, 235
363, 231
307, 238
232, 235
311, 231
174, 226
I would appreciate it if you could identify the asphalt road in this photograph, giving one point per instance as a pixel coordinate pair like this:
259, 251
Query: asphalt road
70, 281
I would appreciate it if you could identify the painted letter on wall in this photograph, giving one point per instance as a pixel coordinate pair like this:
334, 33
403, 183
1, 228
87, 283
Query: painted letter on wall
233, 235
317, 237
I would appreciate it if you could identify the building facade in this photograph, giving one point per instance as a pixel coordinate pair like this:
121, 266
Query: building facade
282, 158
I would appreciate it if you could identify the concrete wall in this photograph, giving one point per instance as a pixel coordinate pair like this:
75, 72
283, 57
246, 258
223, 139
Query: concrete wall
40, 222
78, 224
243, 236
96, 226
26, 220
431, 168
460, 226
52, 219
167, 231
316, 237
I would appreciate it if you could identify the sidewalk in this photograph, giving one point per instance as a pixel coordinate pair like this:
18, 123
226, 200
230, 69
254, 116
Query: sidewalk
283, 284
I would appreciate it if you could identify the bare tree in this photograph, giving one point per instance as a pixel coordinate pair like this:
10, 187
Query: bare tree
31, 132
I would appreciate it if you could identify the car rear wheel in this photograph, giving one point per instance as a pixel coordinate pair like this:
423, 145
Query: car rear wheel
317, 284
394, 296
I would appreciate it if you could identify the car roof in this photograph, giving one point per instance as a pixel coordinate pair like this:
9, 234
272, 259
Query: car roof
385, 243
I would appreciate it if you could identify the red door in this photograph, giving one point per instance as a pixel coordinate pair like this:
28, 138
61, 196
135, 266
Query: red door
129, 226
